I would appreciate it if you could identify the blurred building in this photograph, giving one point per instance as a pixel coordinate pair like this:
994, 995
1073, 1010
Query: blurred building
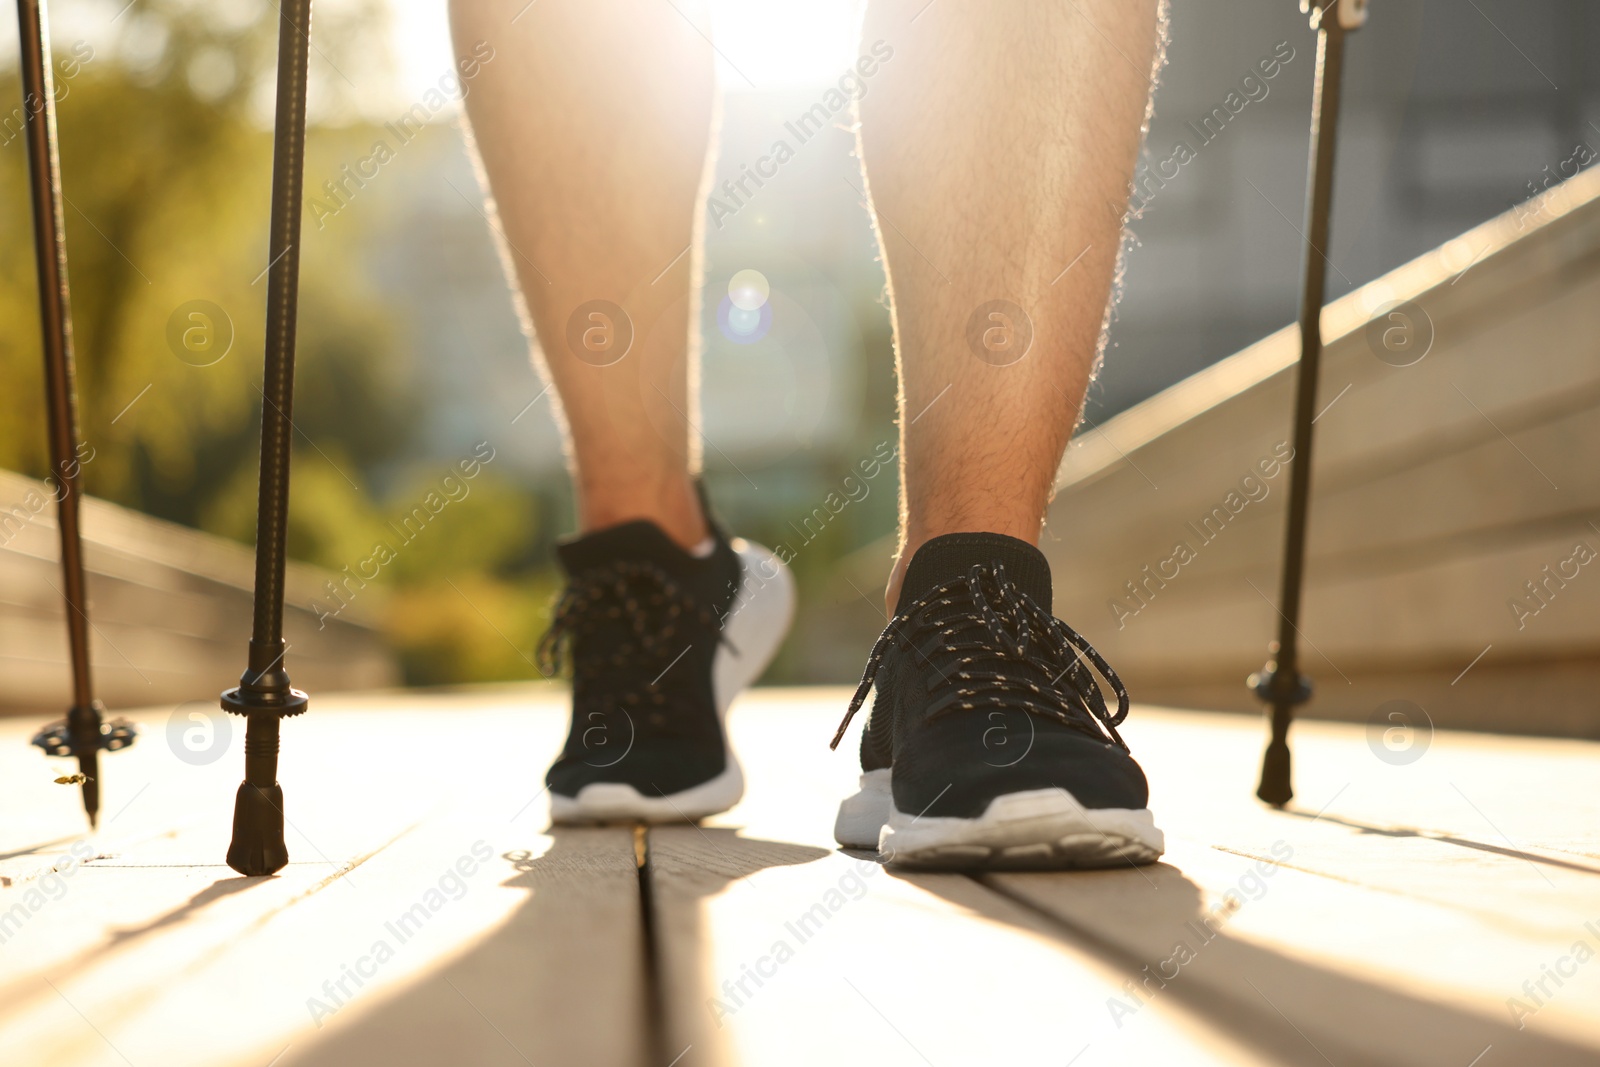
1452, 114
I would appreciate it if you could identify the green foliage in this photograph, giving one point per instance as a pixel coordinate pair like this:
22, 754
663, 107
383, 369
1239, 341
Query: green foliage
166, 154
489, 530
166, 191
472, 628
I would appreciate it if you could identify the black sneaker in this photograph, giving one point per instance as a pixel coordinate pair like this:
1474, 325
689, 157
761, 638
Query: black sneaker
989, 744
660, 641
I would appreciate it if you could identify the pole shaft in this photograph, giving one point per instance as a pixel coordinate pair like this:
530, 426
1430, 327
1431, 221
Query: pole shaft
55, 317
264, 693
288, 155
1319, 199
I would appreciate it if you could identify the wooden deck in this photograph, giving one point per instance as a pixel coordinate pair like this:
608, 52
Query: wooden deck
1442, 912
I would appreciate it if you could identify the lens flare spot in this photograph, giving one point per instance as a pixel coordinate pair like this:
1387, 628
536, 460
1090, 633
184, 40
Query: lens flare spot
748, 289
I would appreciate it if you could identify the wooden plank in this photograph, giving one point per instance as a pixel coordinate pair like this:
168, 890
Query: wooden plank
1362, 974
529, 953
1513, 794
1376, 939
165, 829
543, 960
773, 952
528, 944
775, 947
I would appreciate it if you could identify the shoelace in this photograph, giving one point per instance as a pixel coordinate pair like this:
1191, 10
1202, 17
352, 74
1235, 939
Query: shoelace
653, 611
985, 620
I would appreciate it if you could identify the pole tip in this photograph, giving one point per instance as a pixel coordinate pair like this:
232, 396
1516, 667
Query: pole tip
258, 847
91, 802
1275, 788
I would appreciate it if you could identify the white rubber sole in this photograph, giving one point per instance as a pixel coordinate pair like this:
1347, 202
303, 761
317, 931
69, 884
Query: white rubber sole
863, 815
1039, 829
754, 629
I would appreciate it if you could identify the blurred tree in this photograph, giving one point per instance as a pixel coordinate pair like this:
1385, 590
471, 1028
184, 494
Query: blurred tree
166, 152
166, 161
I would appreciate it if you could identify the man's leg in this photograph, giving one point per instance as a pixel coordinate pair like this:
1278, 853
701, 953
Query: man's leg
997, 140
593, 122
998, 144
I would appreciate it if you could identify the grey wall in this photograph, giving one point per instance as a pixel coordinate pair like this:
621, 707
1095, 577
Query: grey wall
1452, 107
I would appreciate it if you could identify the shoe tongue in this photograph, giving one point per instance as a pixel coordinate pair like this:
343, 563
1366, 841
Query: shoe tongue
953, 556
640, 540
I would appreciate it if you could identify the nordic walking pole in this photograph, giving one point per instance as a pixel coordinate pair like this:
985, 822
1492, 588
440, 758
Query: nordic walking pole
1280, 683
83, 733
264, 695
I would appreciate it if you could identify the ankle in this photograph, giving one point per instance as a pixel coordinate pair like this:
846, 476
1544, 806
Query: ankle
675, 507
1023, 527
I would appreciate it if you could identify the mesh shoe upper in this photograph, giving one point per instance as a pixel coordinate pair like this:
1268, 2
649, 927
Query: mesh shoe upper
640, 620
982, 692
